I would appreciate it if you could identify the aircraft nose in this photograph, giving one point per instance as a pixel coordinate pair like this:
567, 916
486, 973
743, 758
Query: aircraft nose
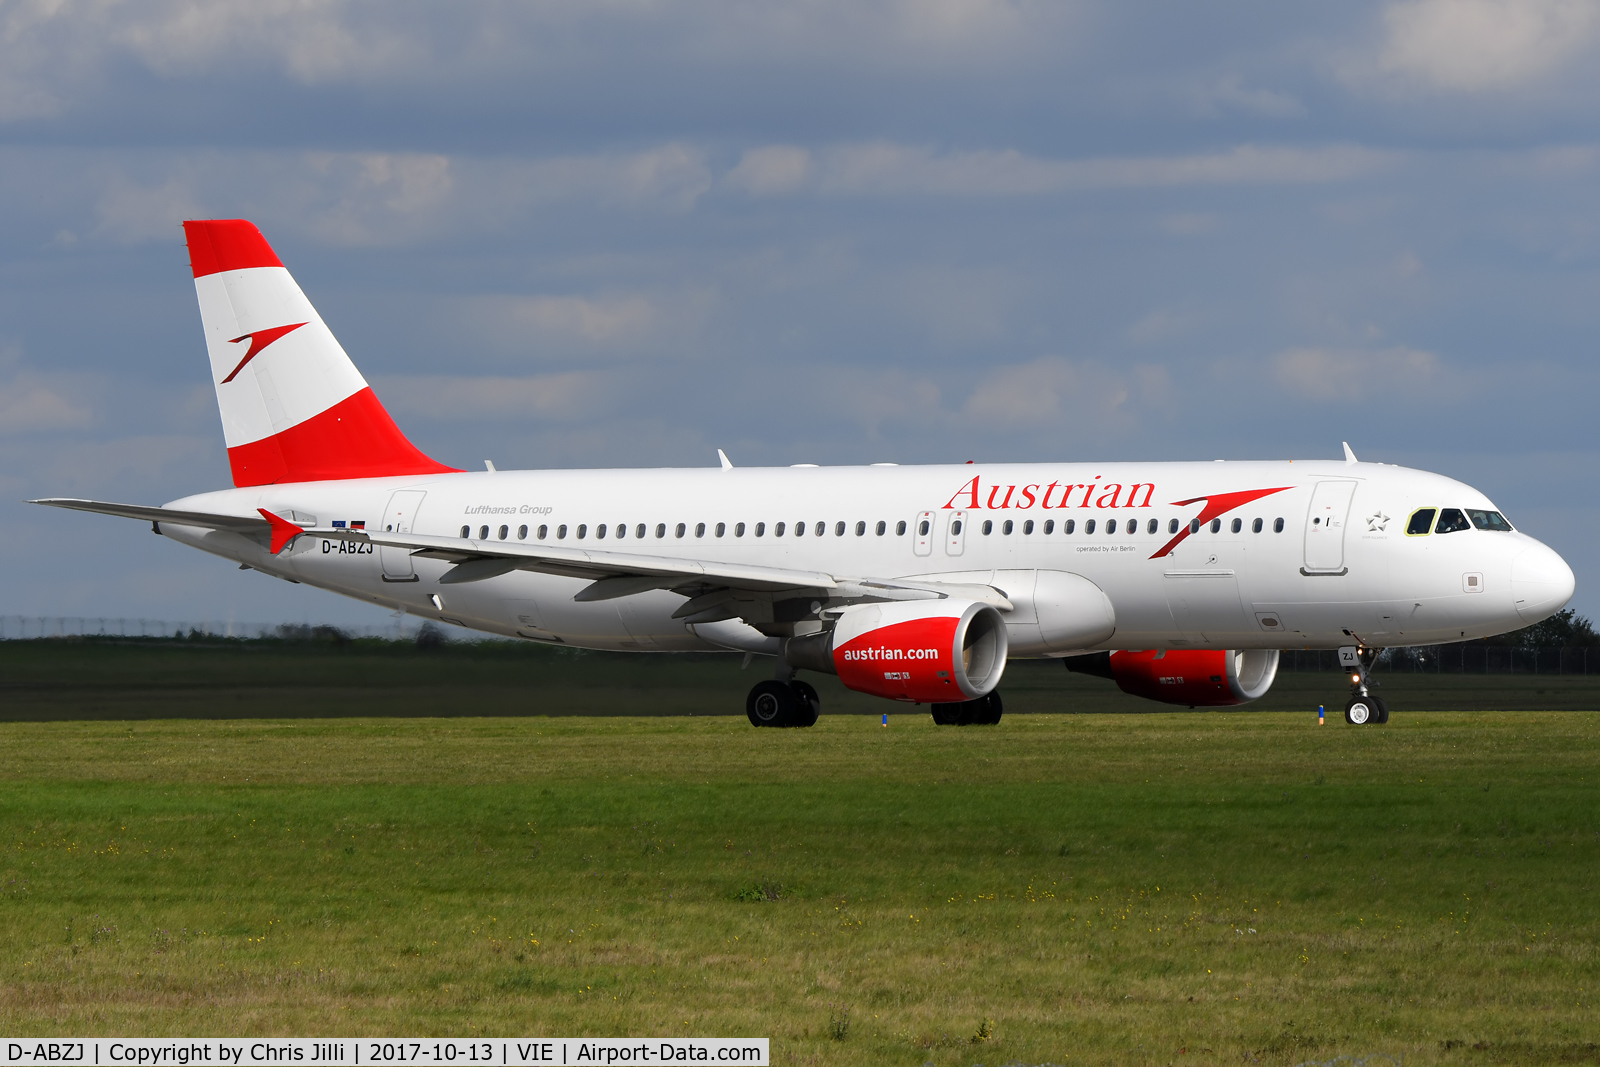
1541, 583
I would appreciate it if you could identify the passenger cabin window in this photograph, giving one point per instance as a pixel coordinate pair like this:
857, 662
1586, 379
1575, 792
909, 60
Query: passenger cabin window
1027, 527
988, 527
679, 530
1238, 524
1216, 525
900, 528
466, 531
622, 530
1153, 526
600, 532
699, 529
1049, 526
1421, 522
544, 531
1255, 527
522, 533
504, 532
1172, 526
922, 528
1111, 526
1194, 526
638, 531
561, 532
483, 533
1489, 520
583, 531
822, 528
838, 529
861, 529
661, 529
777, 529
799, 529
882, 528
761, 529
1088, 527
1452, 521
1005, 527
1277, 526
1070, 525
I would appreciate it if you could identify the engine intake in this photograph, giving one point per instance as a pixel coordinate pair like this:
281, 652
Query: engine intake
919, 651
1198, 678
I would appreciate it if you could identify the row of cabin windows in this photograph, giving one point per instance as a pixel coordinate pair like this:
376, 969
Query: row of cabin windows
1068, 526
642, 530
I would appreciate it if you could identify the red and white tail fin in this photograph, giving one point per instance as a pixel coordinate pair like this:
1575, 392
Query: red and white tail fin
294, 408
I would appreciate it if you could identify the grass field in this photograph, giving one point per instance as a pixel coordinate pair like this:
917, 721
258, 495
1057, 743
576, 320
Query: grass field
1168, 888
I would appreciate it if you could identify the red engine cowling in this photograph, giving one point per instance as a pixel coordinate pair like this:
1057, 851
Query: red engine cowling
920, 651
1198, 678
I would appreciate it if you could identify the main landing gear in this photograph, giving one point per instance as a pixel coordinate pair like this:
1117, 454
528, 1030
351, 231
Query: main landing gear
1365, 708
779, 703
984, 711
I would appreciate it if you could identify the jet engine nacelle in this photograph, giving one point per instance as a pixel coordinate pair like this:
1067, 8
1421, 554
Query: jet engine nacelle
920, 651
1199, 678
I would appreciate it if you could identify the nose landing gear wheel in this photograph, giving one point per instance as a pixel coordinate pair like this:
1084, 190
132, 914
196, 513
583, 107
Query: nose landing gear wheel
1366, 711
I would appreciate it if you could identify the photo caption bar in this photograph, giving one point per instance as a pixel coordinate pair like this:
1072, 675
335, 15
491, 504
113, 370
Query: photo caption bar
353, 1052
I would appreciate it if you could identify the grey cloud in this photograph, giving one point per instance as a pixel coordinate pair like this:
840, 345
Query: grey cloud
886, 169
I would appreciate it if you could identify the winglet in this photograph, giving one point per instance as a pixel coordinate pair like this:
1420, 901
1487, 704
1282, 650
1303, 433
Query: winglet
1349, 456
727, 464
283, 531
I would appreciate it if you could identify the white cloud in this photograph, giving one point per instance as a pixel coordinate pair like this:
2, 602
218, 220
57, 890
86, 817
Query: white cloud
1230, 94
130, 213
29, 405
1475, 45
567, 397
1333, 374
771, 170
640, 323
885, 168
1053, 390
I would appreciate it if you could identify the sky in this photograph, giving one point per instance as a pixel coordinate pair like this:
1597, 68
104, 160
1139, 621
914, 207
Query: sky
629, 232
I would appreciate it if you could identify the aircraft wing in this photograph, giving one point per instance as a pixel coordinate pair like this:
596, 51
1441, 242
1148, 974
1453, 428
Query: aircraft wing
242, 523
709, 584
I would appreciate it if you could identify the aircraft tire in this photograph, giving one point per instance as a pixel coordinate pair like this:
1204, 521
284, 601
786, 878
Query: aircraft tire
1361, 711
1381, 708
771, 703
984, 711
947, 714
809, 704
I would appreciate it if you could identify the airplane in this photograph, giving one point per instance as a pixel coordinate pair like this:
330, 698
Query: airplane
1180, 582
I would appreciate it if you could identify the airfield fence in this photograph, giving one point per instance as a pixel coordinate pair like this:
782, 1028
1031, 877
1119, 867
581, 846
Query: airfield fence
34, 627
1463, 658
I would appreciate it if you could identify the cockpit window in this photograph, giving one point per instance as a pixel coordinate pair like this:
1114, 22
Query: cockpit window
1421, 521
1452, 521
1489, 520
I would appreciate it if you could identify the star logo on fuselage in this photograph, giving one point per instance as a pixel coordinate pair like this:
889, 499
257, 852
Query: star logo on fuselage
258, 340
1377, 522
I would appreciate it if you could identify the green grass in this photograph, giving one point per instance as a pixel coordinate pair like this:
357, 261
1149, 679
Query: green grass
1185, 887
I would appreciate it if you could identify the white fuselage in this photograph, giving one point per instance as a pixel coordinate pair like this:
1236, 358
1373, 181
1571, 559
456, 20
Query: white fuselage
1338, 567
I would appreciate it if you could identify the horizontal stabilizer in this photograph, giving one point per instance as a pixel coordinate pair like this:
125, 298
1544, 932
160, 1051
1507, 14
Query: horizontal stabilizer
242, 523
